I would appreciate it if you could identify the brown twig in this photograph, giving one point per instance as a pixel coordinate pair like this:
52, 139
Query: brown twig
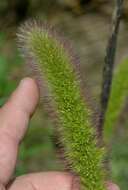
109, 65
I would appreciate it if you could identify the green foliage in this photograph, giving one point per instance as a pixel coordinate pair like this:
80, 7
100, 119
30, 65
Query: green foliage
117, 99
76, 132
3, 67
6, 85
37, 143
119, 158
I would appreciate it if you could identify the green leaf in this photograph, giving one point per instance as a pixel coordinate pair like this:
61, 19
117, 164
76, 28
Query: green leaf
119, 93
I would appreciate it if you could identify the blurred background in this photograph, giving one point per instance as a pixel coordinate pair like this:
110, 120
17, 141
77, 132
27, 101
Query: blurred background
87, 24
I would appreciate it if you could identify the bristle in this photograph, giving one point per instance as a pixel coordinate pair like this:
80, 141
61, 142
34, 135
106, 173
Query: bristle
53, 65
33, 68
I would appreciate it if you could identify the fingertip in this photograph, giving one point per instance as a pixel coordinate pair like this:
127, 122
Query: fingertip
29, 91
24, 98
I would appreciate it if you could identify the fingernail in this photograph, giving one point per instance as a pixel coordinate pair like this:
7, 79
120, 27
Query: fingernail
25, 81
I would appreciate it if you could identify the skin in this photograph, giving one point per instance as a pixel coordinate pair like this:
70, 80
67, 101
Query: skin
14, 118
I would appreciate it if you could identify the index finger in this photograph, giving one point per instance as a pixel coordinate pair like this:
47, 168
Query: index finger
14, 118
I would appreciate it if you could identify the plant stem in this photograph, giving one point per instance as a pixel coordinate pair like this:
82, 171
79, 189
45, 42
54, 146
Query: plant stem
109, 64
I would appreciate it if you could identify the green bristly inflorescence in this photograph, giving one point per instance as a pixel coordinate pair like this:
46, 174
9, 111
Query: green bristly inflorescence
117, 99
77, 134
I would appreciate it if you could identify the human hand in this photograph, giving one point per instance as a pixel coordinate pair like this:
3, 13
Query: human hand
14, 118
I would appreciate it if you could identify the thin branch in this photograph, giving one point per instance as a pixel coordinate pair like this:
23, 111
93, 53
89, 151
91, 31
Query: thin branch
109, 64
